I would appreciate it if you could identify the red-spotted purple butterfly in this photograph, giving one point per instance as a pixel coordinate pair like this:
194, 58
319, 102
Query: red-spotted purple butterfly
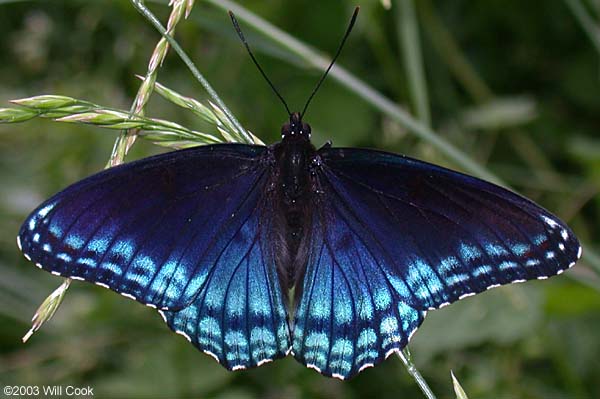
216, 237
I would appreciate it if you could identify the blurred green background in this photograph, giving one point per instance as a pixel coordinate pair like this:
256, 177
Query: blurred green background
515, 85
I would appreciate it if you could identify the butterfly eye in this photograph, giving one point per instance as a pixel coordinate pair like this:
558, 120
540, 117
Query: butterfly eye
286, 129
306, 129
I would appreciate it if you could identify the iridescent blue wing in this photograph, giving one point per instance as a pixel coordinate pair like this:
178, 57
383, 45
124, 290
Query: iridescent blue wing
165, 231
400, 237
238, 316
349, 316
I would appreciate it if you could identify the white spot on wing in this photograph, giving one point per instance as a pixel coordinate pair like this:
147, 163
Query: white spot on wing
365, 366
151, 305
564, 234
19, 243
519, 281
411, 334
489, 287
101, 285
579, 252
238, 367
39, 265
561, 246
26, 256
44, 211
77, 278
550, 222
183, 334
338, 376
542, 277
55, 273
126, 295
312, 366
209, 353
162, 314
64, 257
468, 294
264, 361
391, 351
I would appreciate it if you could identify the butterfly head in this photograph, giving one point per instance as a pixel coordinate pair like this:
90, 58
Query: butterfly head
295, 129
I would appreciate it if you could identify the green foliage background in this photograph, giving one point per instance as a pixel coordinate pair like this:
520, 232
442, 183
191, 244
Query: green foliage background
515, 85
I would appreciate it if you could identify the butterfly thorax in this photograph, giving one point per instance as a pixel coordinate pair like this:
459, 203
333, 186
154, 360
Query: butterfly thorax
292, 156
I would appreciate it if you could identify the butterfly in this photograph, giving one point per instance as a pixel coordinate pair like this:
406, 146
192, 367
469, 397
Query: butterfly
332, 255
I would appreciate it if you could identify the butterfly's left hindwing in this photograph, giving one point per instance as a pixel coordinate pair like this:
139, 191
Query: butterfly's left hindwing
183, 232
395, 237
238, 316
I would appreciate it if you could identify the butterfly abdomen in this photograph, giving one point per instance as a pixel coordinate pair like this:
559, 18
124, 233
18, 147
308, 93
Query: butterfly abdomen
294, 193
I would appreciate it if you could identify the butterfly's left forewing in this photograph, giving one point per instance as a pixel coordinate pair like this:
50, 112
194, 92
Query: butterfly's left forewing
395, 237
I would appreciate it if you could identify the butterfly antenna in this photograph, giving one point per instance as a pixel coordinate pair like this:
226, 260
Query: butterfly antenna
243, 39
339, 50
